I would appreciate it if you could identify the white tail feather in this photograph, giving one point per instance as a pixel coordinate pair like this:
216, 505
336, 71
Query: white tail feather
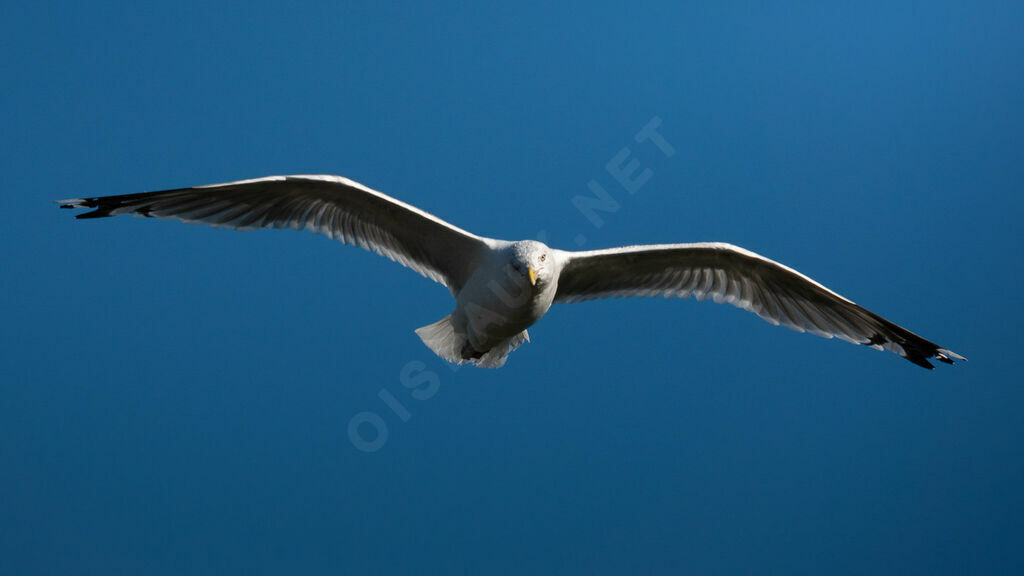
442, 338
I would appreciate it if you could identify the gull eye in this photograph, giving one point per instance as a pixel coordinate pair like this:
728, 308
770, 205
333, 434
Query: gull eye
543, 257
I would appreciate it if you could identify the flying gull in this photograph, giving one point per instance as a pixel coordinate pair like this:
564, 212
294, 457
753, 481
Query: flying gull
501, 288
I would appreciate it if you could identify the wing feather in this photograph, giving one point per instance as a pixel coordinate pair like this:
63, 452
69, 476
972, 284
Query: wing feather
726, 273
330, 205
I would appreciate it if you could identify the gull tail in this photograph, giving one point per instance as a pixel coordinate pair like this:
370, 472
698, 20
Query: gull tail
442, 339
496, 356
453, 346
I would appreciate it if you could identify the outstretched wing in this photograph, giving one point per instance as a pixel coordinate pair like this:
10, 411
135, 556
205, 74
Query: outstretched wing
727, 273
330, 205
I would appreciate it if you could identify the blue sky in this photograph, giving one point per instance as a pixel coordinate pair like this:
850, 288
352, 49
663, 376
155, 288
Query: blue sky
177, 399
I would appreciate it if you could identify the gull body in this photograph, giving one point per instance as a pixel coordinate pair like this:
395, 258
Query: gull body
510, 289
502, 288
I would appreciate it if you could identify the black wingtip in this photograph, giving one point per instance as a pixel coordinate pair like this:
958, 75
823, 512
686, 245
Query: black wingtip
914, 348
72, 202
99, 211
922, 362
921, 354
94, 214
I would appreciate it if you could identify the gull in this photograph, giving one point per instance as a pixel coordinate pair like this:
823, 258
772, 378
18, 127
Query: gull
501, 288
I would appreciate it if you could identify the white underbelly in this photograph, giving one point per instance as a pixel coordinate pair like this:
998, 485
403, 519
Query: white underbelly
492, 308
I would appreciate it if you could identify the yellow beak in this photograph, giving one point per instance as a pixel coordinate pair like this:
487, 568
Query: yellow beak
533, 275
